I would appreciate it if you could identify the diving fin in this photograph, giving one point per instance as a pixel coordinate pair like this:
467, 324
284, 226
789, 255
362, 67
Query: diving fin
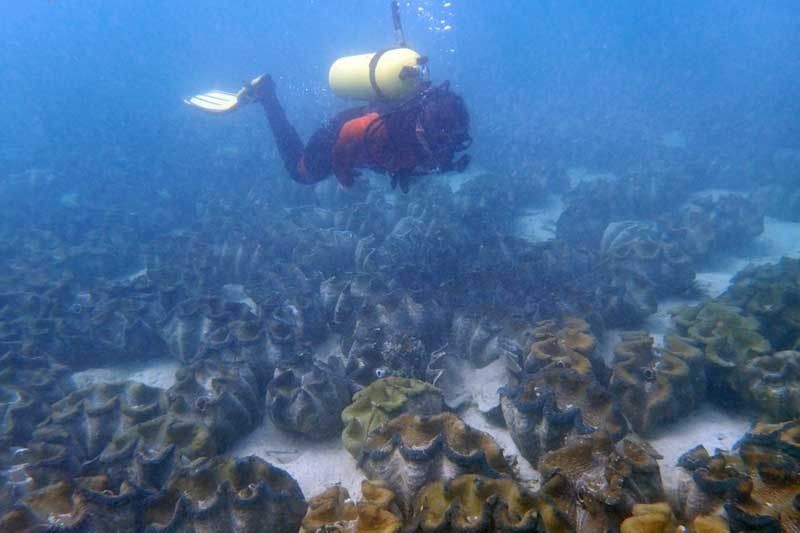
218, 102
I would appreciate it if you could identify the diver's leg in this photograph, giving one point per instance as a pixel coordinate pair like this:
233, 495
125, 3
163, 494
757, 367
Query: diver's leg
290, 147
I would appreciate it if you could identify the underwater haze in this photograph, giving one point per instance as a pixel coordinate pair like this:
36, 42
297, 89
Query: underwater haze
560, 294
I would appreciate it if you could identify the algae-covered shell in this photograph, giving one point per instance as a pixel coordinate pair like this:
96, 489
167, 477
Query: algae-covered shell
28, 385
771, 292
705, 481
565, 343
598, 482
409, 452
308, 398
756, 489
574, 332
86, 504
222, 494
329, 509
389, 338
772, 383
783, 438
710, 524
222, 397
730, 340
652, 389
650, 518
555, 351
334, 511
384, 399
473, 503
556, 404
89, 420
685, 349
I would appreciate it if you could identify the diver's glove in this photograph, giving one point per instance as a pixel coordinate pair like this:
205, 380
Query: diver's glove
403, 178
459, 165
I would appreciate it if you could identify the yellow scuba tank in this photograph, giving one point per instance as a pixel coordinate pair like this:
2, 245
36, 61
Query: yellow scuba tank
393, 74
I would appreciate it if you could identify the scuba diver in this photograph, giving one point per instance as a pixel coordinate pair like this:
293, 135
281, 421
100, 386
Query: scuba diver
409, 128
405, 140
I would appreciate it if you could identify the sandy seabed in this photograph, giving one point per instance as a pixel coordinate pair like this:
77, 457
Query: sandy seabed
317, 465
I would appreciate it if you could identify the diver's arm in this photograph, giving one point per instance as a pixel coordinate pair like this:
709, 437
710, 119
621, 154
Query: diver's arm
344, 163
347, 176
344, 156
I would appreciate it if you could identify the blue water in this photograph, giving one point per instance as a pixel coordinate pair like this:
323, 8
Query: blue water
83, 78
629, 157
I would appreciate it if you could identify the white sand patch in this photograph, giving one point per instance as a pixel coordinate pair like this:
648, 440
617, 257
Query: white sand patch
318, 465
315, 465
483, 384
578, 175
713, 194
660, 323
714, 283
235, 293
527, 473
539, 223
779, 239
157, 373
606, 344
330, 347
709, 426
